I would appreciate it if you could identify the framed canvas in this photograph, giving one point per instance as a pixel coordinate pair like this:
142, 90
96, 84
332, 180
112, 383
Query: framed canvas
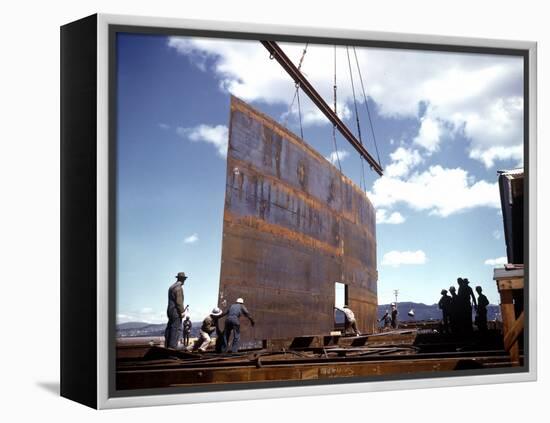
254, 211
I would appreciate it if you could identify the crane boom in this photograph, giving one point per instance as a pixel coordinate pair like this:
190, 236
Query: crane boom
278, 54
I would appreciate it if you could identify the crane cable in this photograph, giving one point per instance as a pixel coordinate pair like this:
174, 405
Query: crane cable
364, 186
334, 87
366, 105
297, 96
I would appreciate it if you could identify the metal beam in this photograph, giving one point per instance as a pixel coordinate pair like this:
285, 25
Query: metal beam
278, 54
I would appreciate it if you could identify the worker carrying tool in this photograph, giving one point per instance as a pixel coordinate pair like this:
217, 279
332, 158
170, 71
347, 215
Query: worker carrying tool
349, 320
208, 327
175, 312
233, 324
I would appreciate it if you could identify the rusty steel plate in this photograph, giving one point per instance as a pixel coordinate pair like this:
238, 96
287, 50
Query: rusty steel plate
293, 226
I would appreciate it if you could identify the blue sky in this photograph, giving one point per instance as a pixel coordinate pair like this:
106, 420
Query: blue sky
444, 124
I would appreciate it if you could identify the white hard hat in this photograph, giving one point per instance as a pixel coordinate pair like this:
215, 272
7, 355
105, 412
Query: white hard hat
216, 311
239, 301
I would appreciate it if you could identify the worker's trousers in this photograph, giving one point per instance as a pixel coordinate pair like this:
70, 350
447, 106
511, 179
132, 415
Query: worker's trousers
173, 330
204, 340
235, 327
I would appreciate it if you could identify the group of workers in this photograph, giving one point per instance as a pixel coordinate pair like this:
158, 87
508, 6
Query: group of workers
456, 308
179, 323
389, 319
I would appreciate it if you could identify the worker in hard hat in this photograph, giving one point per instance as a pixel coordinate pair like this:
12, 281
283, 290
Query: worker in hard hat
349, 320
233, 324
208, 327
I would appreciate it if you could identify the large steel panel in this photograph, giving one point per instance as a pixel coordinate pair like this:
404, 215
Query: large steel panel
293, 226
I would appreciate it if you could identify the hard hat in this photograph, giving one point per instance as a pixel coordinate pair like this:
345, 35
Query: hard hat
239, 301
181, 275
443, 291
216, 311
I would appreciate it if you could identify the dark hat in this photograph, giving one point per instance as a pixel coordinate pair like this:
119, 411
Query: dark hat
452, 288
181, 275
466, 280
443, 292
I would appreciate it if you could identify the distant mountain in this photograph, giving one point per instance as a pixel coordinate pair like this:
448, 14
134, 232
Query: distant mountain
132, 325
428, 312
133, 329
421, 312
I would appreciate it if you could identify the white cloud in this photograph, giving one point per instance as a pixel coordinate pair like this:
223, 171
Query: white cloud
215, 135
429, 134
479, 96
497, 261
191, 239
497, 234
334, 156
398, 258
164, 126
440, 191
383, 216
403, 161
489, 156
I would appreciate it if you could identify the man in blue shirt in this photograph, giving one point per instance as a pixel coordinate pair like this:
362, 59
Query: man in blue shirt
233, 324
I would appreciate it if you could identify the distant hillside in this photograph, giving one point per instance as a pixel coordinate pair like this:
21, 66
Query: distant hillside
131, 329
421, 312
428, 312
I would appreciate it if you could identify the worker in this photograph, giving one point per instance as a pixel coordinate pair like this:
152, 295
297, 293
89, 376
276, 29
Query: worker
445, 306
454, 311
208, 327
386, 318
175, 312
481, 310
187, 325
349, 320
233, 324
394, 314
465, 293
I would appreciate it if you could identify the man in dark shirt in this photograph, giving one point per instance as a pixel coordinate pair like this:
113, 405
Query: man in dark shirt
445, 306
233, 324
175, 312
187, 325
465, 293
394, 316
481, 311
454, 311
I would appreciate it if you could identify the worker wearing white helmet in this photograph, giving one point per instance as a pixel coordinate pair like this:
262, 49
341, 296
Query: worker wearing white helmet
233, 324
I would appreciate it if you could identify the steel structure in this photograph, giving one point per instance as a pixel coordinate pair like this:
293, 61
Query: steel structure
293, 227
